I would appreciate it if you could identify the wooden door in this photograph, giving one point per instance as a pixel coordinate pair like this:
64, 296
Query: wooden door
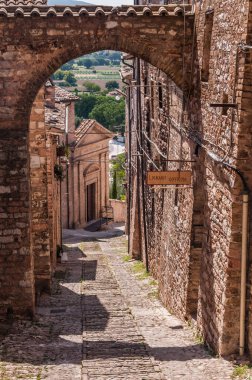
91, 202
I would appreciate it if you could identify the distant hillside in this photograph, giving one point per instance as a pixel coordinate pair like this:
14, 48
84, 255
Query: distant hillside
67, 2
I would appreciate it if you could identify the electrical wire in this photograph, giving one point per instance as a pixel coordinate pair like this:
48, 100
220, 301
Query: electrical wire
146, 154
155, 145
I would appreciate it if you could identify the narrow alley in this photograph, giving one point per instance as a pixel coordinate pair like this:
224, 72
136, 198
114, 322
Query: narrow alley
104, 321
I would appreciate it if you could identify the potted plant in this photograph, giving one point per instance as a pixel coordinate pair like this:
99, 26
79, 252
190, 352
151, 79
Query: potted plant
67, 151
59, 172
63, 151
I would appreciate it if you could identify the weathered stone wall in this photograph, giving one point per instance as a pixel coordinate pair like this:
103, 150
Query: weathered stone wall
194, 242
220, 285
53, 199
244, 158
40, 228
16, 263
45, 191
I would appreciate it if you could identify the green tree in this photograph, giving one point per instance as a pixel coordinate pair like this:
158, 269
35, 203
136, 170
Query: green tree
77, 121
87, 62
115, 55
109, 112
67, 66
91, 87
85, 105
100, 61
118, 175
70, 79
59, 75
111, 85
114, 187
105, 109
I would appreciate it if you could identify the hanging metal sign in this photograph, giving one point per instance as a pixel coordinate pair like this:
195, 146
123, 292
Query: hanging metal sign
169, 178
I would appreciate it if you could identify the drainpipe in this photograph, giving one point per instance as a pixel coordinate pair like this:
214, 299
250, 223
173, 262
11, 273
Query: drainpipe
245, 200
67, 166
244, 254
141, 168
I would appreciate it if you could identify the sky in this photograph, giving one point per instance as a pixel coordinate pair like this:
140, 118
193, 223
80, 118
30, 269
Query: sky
111, 2
95, 2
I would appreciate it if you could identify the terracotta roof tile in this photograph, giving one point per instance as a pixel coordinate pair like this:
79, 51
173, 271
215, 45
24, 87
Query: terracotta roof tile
62, 95
83, 128
14, 3
55, 117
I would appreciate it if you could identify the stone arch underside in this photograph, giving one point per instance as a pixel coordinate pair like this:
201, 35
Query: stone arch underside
35, 47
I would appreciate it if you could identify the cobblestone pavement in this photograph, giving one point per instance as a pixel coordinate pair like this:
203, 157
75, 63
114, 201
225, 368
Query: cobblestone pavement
103, 322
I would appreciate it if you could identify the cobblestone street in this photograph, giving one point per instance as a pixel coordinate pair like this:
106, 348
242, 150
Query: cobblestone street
104, 322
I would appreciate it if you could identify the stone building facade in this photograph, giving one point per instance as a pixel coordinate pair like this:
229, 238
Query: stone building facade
87, 176
190, 237
48, 120
69, 175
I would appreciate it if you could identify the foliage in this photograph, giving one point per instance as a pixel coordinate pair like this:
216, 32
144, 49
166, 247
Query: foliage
118, 175
67, 151
91, 87
69, 78
58, 172
101, 58
115, 55
126, 258
84, 106
109, 112
240, 371
112, 84
87, 62
59, 75
77, 121
67, 66
93, 60
114, 187
105, 109
138, 267
63, 151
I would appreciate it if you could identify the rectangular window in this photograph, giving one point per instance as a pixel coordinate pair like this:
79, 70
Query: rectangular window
160, 95
225, 101
152, 103
207, 46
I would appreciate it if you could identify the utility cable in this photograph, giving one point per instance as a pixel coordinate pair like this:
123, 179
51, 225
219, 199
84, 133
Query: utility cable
144, 152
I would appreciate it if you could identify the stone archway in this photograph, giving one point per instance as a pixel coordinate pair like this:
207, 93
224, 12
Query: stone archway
36, 42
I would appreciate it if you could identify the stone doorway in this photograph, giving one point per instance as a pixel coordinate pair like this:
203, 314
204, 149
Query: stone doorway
91, 202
